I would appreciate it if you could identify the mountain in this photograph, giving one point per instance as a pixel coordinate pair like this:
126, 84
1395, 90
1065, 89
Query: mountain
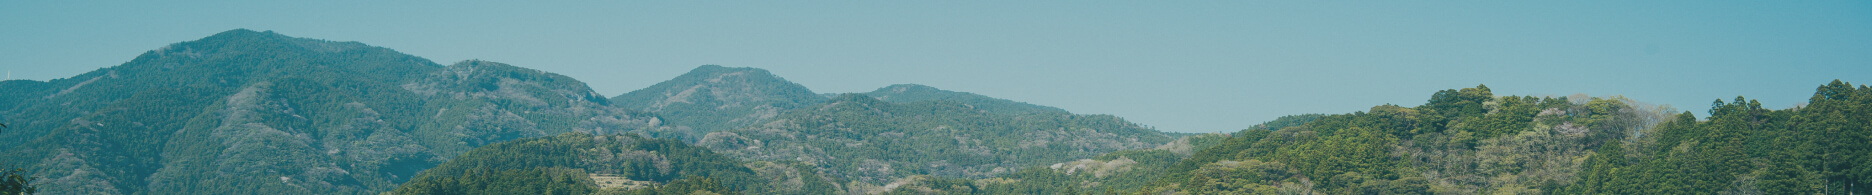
1468, 141
244, 112
259, 112
874, 141
578, 163
876, 144
798, 142
713, 98
905, 93
853, 144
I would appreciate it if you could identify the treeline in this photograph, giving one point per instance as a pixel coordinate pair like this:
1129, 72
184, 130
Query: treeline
1465, 140
1821, 147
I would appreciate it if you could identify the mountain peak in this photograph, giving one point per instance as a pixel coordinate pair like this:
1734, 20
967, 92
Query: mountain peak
242, 32
908, 87
713, 96
716, 74
242, 40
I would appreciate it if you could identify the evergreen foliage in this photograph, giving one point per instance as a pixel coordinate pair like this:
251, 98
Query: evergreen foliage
564, 164
1744, 148
16, 181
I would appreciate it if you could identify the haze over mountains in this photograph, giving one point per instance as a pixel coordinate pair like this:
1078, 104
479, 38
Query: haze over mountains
246, 112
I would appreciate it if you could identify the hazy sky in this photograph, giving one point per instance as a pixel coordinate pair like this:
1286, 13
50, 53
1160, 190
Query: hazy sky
1179, 66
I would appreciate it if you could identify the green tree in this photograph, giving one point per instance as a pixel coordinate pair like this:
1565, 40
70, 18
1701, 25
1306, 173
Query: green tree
14, 181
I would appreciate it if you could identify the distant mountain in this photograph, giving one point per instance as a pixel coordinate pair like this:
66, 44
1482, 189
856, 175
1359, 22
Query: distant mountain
905, 93
713, 98
892, 135
245, 112
875, 143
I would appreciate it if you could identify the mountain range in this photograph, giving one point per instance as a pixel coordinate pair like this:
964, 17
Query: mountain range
247, 112
259, 112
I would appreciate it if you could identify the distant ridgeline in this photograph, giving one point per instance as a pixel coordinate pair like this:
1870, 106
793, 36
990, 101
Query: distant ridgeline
873, 142
245, 112
1469, 141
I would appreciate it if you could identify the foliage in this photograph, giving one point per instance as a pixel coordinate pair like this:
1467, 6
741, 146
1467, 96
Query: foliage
536, 180
864, 139
1128, 169
906, 93
714, 98
686, 186
1461, 141
1744, 148
562, 163
16, 181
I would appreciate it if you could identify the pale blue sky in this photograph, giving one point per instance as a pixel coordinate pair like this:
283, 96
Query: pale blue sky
1179, 66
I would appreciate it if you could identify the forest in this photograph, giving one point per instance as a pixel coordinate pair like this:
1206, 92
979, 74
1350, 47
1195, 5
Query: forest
246, 112
1468, 141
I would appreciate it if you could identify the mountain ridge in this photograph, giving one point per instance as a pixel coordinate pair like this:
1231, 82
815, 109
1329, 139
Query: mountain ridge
245, 111
902, 93
312, 116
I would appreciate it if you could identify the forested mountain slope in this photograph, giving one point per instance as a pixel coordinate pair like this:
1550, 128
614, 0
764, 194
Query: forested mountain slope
1115, 172
877, 144
1743, 148
714, 98
244, 112
870, 142
1471, 142
906, 93
1460, 142
578, 163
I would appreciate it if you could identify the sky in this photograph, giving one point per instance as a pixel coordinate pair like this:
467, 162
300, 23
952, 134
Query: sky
1185, 66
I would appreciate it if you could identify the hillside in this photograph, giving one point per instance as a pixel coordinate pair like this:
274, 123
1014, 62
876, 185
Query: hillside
875, 143
714, 98
1469, 141
578, 163
906, 131
246, 112
259, 112
906, 93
